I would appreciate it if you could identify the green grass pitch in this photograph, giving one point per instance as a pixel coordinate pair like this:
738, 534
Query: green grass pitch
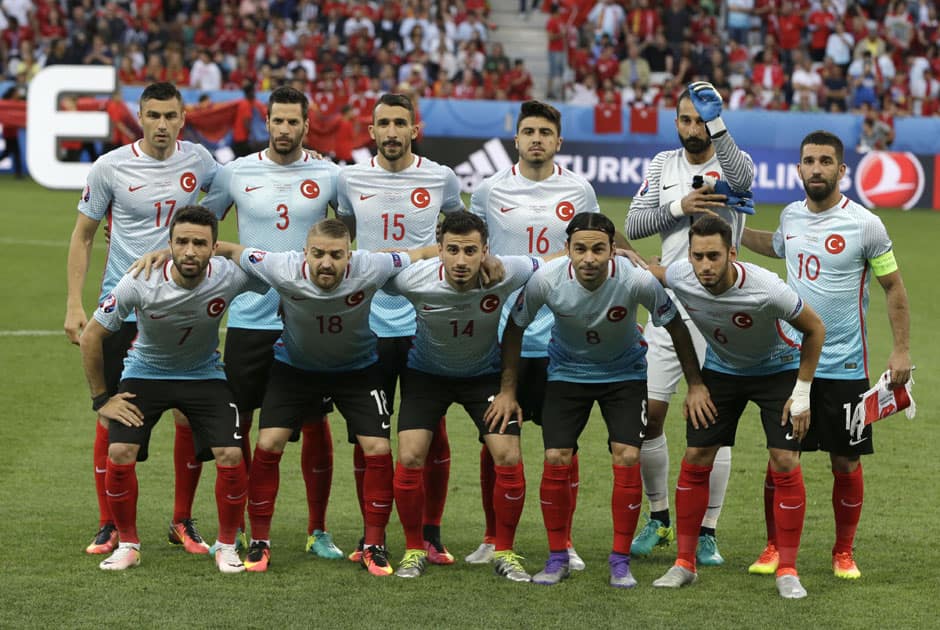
49, 511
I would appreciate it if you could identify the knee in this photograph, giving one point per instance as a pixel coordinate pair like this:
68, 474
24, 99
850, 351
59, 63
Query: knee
784, 461
374, 446
271, 442
624, 454
700, 456
123, 453
227, 456
507, 454
558, 456
843, 464
180, 419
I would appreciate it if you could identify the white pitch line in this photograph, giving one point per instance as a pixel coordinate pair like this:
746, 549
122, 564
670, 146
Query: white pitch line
6, 240
48, 333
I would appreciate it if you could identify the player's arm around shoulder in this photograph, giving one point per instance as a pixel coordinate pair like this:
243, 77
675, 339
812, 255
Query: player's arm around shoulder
344, 210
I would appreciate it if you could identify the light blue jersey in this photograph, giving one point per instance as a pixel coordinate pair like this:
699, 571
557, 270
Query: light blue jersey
276, 206
178, 328
595, 338
457, 330
530, 217
138, 195
828, 256
396, 211
742, 325
325, 331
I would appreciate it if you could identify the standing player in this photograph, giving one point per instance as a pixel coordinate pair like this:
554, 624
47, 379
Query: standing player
526, 208
749, 358
832, 247
596, 353
455, 359
667, 204
138, 187
392, 202
174, 362
326, 349
280, 193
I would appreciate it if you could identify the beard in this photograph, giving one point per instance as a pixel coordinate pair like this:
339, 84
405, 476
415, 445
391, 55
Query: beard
392, 152
280, 149
819, 193
695, 145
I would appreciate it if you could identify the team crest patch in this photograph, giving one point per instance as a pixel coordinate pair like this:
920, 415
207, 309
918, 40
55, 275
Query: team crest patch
355, 298
256, 256
644, 187
109, 303
616, 313
665, 308
216, 307
489, 303
396, 260
520, 300
188, 181
86, 194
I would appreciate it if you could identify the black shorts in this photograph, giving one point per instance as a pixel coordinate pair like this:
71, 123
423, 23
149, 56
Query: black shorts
393, 361
294, 396
831, 404
530, 391
206, 403
249, 354
731, 393
428, 397
568, 407
115, 349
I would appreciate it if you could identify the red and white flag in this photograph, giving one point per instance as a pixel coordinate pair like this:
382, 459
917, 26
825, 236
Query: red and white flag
880, 402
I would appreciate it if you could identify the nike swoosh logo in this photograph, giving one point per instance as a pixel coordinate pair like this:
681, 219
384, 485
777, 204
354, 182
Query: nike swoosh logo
155, 316
789, 236
381, 505
642, 435
683, 488
250, 502
252, 188
788, 436
298, 299
441, 461
431, 309
386, 425
850, 505
690, 309
857, 442
505, 210
239, 497
792, 507
100, 471
634, 506
544, 502
121, 494
576, 484
135, 188
512, 422
670, 186
321, 470
364, 197
511, 498
564, 314
237, 435
196, 466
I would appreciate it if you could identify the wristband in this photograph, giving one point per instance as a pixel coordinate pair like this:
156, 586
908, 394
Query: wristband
800, 397
99, 401
715, 127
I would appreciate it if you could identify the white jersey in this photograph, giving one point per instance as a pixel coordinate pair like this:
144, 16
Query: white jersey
529, 217
276, 207
325, 331
457, 330
177, 328
742, 325
595, 338
139, 194
396, 211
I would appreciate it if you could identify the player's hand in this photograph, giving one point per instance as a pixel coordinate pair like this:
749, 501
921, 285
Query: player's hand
316, 155
702, 200
706, 100
503, 410
107, 233
632, 256
740, 201
75, 322
148, 261
699, 408
121, 409
800, 421
899, 363
491, 271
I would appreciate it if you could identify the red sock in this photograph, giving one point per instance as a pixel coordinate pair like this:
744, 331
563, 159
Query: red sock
100, 461
231, 490
262, 491
487, 482
574, 480
769, 506
625, 502
245, 420
555, 497
359, 472
691, 504
409, 499
789, 512
508, 501
121, 484
379, 491
188, 470
848, 493
316, 462
436, 475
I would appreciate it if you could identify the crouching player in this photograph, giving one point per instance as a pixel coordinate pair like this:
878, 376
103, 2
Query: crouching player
173, 364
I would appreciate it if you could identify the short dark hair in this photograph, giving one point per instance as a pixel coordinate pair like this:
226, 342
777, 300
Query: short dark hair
161, 91
330, 228
395, 100
196, 215
463, 223
541, 110
289, 95
709, 225
682, 96
825, 138
591, 221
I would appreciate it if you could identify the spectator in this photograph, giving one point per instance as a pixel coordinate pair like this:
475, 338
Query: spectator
205, 76
865, 81
835, 89
358, 24
790, 25
11, 134
520, 82
739, 19
820, 24
805, 82
872, 43
443, 62
839, 46
246, 110
472, 28
875, 134
388, 27
584, 92
658, 57
557, 28
497, 55
634, 69
643, 21
768, 76
899, 27
606, 66
677, 24
607, 18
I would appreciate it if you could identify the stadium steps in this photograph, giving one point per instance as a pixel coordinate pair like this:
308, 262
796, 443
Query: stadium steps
523, 39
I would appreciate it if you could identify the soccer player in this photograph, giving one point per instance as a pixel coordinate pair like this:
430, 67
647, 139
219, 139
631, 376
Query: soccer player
750, 357
667, 204
832, 246
280, 193
326, 350
394, 201
174, 363
526, 208
455, 359
138, 187
596, 353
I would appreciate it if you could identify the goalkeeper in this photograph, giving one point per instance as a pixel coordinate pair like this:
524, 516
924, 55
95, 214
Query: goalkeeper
667, 204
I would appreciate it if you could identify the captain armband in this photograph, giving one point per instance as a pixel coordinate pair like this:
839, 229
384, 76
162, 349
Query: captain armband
884, 264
